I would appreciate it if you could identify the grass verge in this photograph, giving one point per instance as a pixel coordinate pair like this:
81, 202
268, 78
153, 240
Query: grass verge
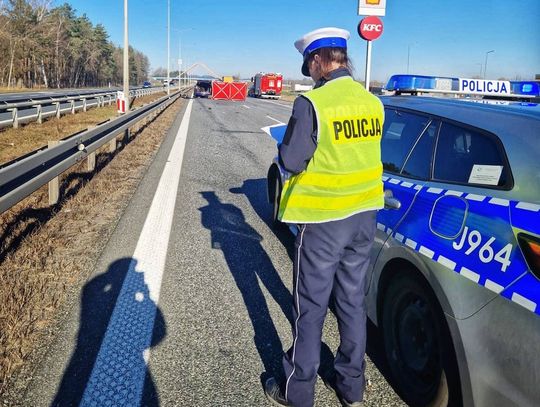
46, 253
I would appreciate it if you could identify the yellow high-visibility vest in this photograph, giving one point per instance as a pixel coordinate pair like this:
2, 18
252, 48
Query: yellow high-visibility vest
344, 176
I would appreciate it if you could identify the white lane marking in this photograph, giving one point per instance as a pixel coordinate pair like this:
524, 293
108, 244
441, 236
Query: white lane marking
247, 107
524, 302
528, 206
127, 340
276, 120
426, 252
493, 286
471, 275
446, 262
499, 201
276, 103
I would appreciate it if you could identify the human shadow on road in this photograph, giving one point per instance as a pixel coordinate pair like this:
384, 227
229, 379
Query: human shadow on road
119, 323
248, 263
255, 191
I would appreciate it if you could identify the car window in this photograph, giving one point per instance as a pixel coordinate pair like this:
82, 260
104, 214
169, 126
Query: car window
418, 164
468, 157
400, 131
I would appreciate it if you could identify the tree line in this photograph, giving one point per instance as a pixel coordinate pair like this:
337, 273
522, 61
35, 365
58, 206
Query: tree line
55, 48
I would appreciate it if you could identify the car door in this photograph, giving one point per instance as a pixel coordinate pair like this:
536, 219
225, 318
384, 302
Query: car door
403, 132
460, 224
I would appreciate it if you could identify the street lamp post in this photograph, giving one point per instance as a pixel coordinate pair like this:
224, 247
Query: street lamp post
409, 54
485, 64
126, 56
168, 47
481, 66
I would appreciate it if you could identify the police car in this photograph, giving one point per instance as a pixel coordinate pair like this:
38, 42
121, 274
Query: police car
455, 281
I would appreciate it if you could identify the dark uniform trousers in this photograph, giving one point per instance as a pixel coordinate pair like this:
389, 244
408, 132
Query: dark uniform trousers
329, 256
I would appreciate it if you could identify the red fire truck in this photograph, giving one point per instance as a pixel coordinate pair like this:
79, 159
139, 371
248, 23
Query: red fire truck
266, 85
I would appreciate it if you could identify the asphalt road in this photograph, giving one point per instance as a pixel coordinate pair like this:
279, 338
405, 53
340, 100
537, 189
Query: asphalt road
201, 317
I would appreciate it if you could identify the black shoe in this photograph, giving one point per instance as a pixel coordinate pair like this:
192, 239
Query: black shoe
274, 394
330, 383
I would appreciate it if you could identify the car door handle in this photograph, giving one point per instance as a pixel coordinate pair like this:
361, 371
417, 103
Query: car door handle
391, 203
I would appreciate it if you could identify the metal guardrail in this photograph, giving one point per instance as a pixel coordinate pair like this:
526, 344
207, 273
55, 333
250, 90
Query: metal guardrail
23, 176
98, 99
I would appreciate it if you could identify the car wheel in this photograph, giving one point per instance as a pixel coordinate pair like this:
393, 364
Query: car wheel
418, 346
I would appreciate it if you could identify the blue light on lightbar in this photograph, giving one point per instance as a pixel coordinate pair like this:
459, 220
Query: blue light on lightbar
412, 82
525, 88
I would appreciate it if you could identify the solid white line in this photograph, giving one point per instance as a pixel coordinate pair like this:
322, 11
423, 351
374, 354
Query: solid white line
276, 120
126, 343
247, 107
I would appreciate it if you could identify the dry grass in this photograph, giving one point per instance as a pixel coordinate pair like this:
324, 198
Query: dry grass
47, 251
17, 142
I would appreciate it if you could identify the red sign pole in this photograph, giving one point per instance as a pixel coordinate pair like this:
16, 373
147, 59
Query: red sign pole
369, 28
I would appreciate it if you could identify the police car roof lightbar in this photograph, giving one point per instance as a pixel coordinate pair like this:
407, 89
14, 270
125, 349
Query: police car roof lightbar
462, 86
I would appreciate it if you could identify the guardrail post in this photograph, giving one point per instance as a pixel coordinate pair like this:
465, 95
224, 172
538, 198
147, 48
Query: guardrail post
54, 184
91, 162
127, 136
112, 145
84, 104
58, 113
15, 117
39, 109
72, 106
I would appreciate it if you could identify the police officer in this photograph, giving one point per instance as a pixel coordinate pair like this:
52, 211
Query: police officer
332, 150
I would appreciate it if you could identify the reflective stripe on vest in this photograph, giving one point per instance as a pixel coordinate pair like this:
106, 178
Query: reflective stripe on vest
344, 175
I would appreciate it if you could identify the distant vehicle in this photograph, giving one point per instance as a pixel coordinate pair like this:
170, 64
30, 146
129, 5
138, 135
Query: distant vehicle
203, 89
147, 85
267, 85
454, 284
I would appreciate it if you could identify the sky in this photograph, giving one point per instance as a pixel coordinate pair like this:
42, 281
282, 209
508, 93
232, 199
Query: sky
430, 37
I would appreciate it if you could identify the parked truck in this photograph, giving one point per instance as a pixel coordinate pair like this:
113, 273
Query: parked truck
266, 85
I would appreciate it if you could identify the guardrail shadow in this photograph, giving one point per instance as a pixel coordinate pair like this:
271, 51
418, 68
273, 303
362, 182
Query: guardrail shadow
119, 323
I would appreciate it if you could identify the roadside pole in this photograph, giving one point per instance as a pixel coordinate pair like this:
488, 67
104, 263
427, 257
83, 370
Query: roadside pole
126, 58
368, 65
370, 28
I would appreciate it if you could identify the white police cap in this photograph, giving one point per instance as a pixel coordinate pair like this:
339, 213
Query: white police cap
321, 38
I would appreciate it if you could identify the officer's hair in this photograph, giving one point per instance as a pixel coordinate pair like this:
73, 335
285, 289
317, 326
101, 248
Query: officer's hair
329, 55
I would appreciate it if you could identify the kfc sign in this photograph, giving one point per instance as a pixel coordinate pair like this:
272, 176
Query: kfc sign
370, 28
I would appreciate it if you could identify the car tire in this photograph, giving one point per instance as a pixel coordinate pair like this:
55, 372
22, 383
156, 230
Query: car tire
418, 345
276, 197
